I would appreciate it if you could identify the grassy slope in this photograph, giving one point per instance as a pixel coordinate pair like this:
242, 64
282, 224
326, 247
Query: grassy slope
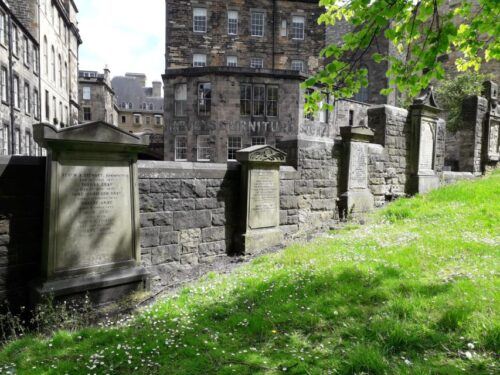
415, 292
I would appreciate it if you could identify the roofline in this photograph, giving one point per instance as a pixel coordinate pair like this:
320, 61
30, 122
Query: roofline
226, 70
18, 22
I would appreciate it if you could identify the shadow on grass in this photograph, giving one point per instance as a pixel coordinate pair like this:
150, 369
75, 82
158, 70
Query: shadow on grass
349, 322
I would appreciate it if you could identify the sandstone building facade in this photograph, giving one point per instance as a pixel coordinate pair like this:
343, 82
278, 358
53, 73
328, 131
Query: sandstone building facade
96, 97
140, 108
19, 82
233, 73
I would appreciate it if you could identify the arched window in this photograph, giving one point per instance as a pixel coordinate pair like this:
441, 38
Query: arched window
150, 106
364, 92
53, 63
65, 75
46, 55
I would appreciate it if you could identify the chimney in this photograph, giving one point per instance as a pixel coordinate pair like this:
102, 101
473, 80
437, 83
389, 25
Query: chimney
139, 77
157, 86
107, 75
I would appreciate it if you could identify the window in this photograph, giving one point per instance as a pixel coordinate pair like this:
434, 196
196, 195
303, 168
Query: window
257, 141
65, 75
298, 27
256, 63
283, 29
3, 29
16, 92
124, 119
86, 93
27, 143
233, 145
158, 120
199, 60
298, 65
54, 108
47, 106
259, 99
36, 106
53, 63
323, 112
27, 104
232, 61
232, 22
180, 99
137, 119
148, 120
272, 101
257, 23
46, 55
4, 140
15, 40
26, 52
180, 148
245, 100
199, 20
61, 118
203, 148
87, 114
150, 106
204, 98
17, 142
5, 85
351, 117
60, 71
36, 60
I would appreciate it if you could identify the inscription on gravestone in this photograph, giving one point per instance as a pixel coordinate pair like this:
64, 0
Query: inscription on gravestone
264, 198
358, 173
493, 146
426, 159
94, 213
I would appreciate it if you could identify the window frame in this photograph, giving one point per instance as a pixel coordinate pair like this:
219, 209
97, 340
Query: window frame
297, 32
255, 26
205, 20
255, 59
4, 85
302, 65
27, 98
200, 156
180, 105
231, 149
235, 64
198, 64
235, 24
207, 100
245, 99
260, 138
183, 148
86, 90
261, 101
274, 101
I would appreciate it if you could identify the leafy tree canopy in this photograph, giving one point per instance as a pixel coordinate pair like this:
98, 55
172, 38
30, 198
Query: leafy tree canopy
422, 33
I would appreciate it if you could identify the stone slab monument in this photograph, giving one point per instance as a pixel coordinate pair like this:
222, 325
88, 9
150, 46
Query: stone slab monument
424, 131
260, 198
357, 198
492, 125
91, 219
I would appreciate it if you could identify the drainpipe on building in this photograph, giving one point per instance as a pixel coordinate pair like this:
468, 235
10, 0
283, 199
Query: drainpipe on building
11, 91
274, 31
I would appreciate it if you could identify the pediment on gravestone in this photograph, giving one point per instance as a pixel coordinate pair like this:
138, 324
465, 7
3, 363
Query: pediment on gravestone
95, 135
427, 100
262, 153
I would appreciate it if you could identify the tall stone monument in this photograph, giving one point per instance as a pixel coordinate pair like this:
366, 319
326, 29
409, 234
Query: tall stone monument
357, 198
260, 198
91, 220
492, 125
424, 132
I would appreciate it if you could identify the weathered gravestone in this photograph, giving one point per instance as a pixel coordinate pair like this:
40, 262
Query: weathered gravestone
424, 129
492, 124
357, 198
91, 220
260, 195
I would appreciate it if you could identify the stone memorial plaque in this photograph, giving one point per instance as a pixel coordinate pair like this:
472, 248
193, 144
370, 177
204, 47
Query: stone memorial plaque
91, 222
426, 153
493, 139
264, 198
358, 166
260, 198
94, 213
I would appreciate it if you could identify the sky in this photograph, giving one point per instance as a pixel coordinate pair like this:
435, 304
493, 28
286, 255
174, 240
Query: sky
125, 35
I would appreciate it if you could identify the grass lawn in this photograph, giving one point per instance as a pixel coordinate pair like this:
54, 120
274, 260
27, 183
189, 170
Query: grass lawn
414, 292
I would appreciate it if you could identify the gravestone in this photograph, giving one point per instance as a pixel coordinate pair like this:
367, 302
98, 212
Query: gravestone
260, 196
492, 124
424, 129
357, 198
91, 220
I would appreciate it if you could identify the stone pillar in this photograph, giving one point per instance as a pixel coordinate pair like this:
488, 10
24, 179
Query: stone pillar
91, 220
424, 137
260, 198
491, 154
357, 198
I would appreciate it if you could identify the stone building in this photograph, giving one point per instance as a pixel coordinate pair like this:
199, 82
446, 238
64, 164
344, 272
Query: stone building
140, 108
19, 81
59, 43
96, 97
233, 74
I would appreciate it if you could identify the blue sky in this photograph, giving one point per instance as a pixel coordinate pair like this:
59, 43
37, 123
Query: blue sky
123, 35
